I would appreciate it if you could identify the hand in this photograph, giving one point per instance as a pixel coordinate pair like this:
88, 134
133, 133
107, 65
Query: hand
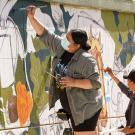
127, 130
109, 70
67, 82
31, 11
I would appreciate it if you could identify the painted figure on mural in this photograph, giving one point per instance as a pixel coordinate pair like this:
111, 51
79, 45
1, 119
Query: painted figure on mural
77, 86
129, 92
11, 49
96, 52
9, 53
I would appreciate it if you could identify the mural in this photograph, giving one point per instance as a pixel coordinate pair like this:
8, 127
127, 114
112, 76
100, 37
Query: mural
25, 64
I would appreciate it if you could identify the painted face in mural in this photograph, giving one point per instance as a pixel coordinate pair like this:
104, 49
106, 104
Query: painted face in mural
5, 7
68, 44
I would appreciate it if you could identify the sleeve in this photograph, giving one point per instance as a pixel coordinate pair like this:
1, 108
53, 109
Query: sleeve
51, 41
90, 72
132, 120
125, 89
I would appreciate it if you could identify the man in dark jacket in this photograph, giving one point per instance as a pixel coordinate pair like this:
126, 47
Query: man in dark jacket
130, 93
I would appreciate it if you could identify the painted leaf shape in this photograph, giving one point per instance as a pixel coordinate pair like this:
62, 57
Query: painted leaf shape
40, 80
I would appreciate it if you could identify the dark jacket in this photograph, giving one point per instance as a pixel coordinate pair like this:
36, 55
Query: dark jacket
130, 112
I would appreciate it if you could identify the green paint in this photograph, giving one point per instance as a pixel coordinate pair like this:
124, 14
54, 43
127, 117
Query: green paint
38, 45
40, 81
126, 24
19, 75
5, 93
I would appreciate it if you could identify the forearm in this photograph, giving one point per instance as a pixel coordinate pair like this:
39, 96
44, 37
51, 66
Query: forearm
115, 78
83, 83
79, 83
132, 130
122, 86
128, 130
38, 27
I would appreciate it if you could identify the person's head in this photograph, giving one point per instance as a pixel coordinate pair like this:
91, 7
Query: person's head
130, 79
74, 40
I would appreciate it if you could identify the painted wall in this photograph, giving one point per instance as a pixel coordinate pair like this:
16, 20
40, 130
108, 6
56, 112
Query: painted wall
24, 61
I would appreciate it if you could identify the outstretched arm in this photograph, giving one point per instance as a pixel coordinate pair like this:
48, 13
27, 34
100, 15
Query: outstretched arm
50, 40
109, 70
122, 86
34, 22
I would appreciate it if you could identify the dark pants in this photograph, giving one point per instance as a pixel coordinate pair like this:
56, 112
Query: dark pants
88, 125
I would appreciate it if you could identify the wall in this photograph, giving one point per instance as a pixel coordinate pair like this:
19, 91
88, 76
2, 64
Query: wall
25, 60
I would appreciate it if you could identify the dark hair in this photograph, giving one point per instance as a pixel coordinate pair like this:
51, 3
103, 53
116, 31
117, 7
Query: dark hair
130, 76
80, 37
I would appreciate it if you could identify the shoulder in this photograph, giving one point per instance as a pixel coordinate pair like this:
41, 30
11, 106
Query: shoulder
87, 58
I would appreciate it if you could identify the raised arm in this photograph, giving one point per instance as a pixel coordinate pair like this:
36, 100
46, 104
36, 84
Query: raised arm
34, 22
50, 40
109, 70
121, 85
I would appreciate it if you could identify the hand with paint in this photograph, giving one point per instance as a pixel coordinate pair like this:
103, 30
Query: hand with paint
31, 11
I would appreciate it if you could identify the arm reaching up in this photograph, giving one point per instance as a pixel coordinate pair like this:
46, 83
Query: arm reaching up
109, 71
34, 22
121, 85
50, 40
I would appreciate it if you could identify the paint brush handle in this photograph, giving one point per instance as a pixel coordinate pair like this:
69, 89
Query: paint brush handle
51, 75
25, 8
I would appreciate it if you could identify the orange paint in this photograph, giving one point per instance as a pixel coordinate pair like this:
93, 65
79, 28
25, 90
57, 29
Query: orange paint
24, 103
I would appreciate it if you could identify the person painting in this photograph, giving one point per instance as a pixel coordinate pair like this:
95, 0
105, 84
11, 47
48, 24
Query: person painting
130, 93
77, 84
